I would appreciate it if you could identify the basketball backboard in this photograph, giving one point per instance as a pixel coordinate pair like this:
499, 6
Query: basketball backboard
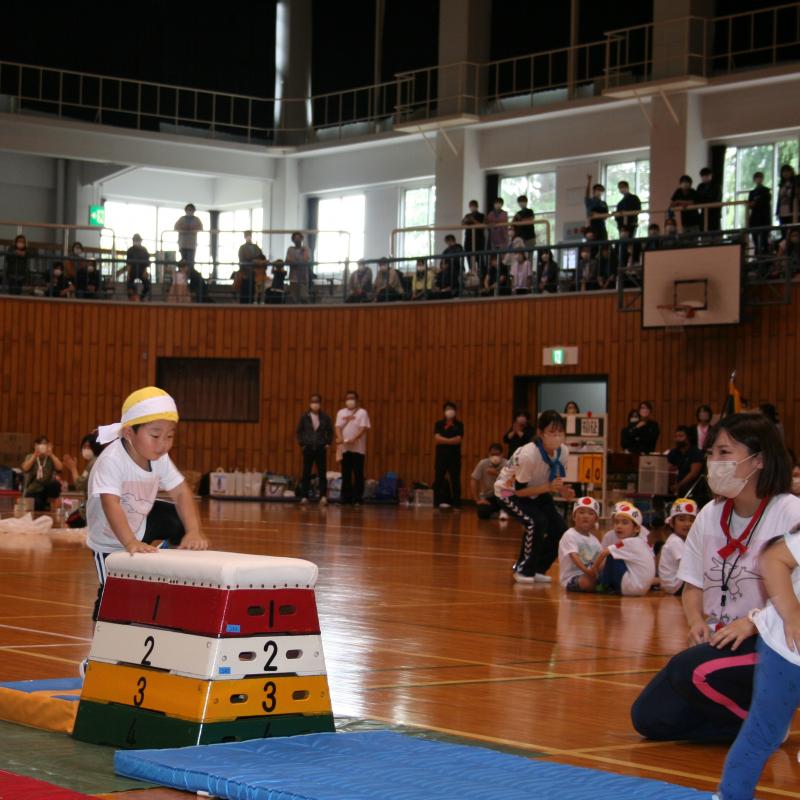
706, 280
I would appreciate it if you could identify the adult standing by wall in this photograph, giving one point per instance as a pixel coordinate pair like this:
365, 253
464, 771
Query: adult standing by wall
314, 435
188, 226
704, 692
40, 468
642, 435
352, 424
298, 257
520, 433
448, 433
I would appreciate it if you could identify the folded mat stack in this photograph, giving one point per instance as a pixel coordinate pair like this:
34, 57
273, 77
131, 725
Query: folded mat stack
204, 647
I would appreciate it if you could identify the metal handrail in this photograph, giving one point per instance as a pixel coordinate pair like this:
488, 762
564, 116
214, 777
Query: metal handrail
20, 225
666, 211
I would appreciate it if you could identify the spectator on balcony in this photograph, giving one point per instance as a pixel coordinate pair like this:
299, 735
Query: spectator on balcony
179, 289
137, 260
359, 284
16, 266
523, 223
593, 200
498, 220
670, 239
587, 272
628, 202
474, 235
788, 197
298, 257
252, 268
628, 251
759, 213
709, 191
422, 282
59, 284
276, 293
497, 280
87, 280
789, 251
451, 269
607, 266
76, 260
521, 273
548, 272
682, 197
188, 226
388, 287
653, 237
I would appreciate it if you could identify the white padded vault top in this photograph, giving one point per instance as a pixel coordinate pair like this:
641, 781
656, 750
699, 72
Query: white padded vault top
211, 568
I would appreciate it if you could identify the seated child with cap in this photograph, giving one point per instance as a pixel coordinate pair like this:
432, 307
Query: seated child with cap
629, 566
579, 548
122, 512
680, 520
610, 536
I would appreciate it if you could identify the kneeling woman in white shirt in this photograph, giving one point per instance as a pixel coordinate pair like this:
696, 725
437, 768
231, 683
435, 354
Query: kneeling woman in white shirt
703, 693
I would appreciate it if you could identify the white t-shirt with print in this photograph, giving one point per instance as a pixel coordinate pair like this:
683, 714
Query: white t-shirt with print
668, 563
636, 553
527, 466
115, 472
351, 421
769, 622
702, 566
587, 548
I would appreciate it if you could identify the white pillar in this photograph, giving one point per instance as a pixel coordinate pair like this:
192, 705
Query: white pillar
293, 70
459, 178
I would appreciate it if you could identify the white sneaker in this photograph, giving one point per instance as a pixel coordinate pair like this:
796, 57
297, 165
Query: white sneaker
323, 501
540, 578
520, 578
82, 668
444, 505
503, 516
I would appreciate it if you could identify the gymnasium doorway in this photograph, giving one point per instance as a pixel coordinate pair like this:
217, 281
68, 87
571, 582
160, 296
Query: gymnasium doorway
538, 393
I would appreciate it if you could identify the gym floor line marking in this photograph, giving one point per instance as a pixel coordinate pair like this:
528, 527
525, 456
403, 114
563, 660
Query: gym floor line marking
41, 600
31, 654
576, 754
38, 646
45, 633
40, 616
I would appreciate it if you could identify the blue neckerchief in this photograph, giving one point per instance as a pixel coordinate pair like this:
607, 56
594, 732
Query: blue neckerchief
557, 469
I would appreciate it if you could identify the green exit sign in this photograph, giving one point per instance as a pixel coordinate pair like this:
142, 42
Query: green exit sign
558, 356
97, 216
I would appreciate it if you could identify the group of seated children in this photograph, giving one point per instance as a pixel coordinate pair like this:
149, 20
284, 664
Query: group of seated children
624, 562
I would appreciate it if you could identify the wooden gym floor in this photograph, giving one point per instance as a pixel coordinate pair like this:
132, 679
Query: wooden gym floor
422, 625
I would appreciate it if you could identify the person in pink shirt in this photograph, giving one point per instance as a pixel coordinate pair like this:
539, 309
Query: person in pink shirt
498, 219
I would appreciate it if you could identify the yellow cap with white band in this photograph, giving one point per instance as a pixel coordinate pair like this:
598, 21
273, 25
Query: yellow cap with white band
144, 405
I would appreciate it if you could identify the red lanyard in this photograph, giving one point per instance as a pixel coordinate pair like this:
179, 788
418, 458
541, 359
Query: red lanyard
733, 545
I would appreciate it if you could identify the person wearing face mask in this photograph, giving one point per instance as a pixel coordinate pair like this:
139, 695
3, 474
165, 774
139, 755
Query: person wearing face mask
482, 481
359, 284
41, 480
352, 424
497, 220
422, 282
641, 435
703, 416
298, 257
388, 287
79, 482
448, 433
526, 486
703, 693
17, 273
687, 461
60, 285
314, 435
520, 433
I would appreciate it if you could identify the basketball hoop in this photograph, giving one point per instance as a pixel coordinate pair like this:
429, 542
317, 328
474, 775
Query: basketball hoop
679, 310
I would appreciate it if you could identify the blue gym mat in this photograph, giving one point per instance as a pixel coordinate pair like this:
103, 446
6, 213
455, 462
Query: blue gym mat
378, 765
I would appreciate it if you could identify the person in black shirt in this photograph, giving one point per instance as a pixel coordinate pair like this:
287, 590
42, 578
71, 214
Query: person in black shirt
497, 280
641, 436
314, 435
594, 204
684, 196
628, 202
687, 460
474, 236
653, 237
709, 191
448, 433
759, 204
137, 260
525, 215
451, 268
521, 432
276, 294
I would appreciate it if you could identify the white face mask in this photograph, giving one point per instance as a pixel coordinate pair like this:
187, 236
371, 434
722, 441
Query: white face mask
795, 485
87, 454
722, 479
41, 448
350, 403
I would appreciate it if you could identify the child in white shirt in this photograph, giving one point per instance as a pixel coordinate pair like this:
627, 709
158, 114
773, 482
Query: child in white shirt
629, 566
579, 548
680, 520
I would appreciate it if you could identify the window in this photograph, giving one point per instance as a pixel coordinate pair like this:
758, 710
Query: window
232, 225
742, 162
540, 189
336, 214
637, 173
155, 225
419, 208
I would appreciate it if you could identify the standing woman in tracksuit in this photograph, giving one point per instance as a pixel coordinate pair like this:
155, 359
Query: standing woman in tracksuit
448, 433
526, 486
